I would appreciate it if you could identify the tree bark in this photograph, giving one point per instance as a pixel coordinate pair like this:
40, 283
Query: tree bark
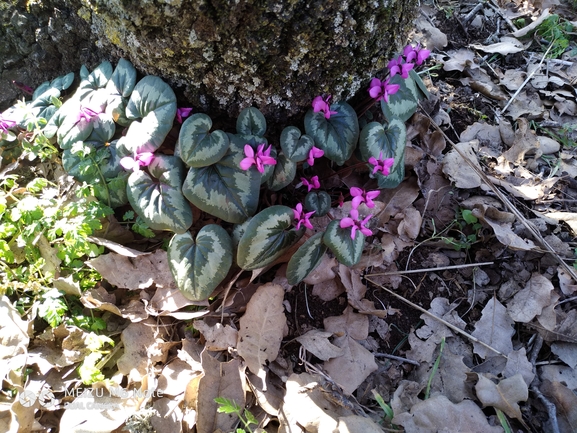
223, 55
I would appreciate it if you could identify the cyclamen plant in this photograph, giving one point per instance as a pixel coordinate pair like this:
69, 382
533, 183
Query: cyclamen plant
111, 129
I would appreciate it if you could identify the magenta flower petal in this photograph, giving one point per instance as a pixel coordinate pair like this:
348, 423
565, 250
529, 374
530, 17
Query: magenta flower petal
372, 194
347, 222
248, 151
356, 191
181, 113
145, 158
246, 163
319, 104
357, 201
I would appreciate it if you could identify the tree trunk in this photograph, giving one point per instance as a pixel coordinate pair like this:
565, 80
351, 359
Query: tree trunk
223, 55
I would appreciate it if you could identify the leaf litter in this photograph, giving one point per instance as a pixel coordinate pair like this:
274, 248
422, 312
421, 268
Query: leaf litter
492, 276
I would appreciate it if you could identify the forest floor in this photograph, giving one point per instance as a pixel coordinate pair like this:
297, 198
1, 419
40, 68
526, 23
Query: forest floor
460, 317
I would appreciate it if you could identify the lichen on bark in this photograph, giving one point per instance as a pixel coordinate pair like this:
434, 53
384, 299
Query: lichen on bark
276, 56
226, 55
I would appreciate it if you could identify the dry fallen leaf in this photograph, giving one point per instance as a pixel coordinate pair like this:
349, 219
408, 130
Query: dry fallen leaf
217, 337
353, 367
14, 339
501, 222
517, 363
317, 342
529, 302
353, 324
439, 414
507, 45
505, 395
221, 379
261, 327
495, 328
566, 402
134, 272
453, 165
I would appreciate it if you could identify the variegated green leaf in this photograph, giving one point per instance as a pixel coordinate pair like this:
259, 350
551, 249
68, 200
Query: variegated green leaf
158, 200
390, 141
60, 83
403, 103
97, 79
318, 201
284, 173
42, 106
295, 147
422, 91
152, 106
119, 88
199, 265
347, 250
336, 136
251, 122
306, 259
268, 235
224, 189
197, 146
99, 129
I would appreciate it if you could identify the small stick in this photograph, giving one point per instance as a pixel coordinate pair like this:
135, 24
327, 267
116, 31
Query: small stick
471, 14
396, 358
444, 322
442, 268
527, 80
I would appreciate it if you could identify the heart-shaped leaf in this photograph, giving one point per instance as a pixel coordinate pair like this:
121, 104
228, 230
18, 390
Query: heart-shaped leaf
60, 83
306, 259
390, 142
152, 106
268, 235
318, 201
224, 189
99, 129
158, 200
422, 91
199, 265
403, 103
336, 136
97, 79
251, 122
119, 88
284, 173
42, 106
197, 146
347, 251
295, 147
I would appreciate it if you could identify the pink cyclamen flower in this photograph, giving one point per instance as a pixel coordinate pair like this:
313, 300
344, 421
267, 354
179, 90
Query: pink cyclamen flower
382, 89
26, 89
360, 196
398, 66
301, 217
315, 152
87, 113
6, 124
354, 223
260, 159
382, 165
313, 184
418, 54
140, 160
181, 113
319, 104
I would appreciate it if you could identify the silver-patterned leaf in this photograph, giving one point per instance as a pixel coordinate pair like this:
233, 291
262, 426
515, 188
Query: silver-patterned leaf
403, 103
251, 122
284, 173
336, 136
295, 147
152, 107
199, 265
268, 235
224, 189
197, 146
347, 250
159, 200
306, 259
318, 201
97, 79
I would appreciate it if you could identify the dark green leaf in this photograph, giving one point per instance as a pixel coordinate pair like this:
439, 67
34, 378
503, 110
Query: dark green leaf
403, 103
197, 146
158, 199
251, 122
347, 250
336, 136
318, 201
284, 173
306, 259
295, 147
199, 265
268, 235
